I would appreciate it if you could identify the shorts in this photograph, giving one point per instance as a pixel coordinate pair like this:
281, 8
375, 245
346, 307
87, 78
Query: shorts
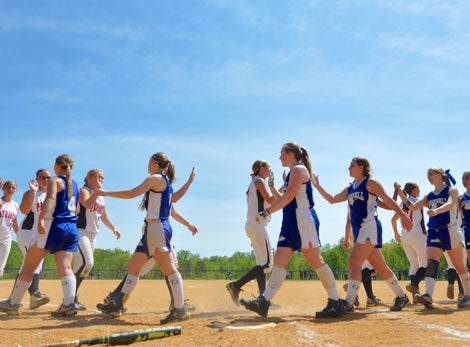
63, 236
156, 234
444, 238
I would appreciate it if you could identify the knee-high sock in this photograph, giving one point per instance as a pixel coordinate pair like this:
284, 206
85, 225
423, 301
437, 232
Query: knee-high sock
465, 283
367, 282
327, 278
353, 289
278, 275
19, 290
255, 273
34, 285
176, 284
419, 276
392, 282
68, 288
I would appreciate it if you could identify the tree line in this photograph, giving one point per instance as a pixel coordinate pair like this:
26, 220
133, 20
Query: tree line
112, 264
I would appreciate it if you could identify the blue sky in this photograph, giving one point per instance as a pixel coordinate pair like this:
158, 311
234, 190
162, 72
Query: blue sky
219, 84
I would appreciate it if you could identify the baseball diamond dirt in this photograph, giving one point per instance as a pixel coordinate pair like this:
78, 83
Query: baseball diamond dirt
218, 322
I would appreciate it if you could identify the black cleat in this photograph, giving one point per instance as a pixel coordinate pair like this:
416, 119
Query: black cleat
259, 305
176, 315
425, 300
399, 303
347, 306
334, 308
234, 292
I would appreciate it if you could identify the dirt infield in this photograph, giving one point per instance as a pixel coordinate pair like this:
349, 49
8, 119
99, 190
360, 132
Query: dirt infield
291, 324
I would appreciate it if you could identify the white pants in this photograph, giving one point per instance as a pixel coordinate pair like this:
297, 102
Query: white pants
25, 239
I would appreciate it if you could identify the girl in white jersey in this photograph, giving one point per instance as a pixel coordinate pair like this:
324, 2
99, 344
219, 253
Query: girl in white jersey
157, 234
91, 211
414, 240
8, 221
299, 232
258, 198
30, 206
443, 234
363, 196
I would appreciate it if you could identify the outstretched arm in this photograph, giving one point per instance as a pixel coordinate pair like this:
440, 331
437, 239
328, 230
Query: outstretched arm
184, 188
332, 199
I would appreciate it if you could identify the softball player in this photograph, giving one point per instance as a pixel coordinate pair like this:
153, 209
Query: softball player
413, 241
157, 233
58, 236
443, 234
258, 198
8, 221
91, 210
148, 266
363, 199
299, 232
465, 210
30, 206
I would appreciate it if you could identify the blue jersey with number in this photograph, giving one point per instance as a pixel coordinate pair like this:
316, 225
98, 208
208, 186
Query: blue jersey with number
65, 208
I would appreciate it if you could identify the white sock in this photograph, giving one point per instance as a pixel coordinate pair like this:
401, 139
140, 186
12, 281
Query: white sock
327, 278
278, 275
353, 289
395, 286
465, 279
430, 284
69, 285
176, 284
19, 290
130, 284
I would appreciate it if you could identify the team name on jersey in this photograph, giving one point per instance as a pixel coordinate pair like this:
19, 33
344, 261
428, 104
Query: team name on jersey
435, 203
97, 208
466, 205
355, 196
7, 214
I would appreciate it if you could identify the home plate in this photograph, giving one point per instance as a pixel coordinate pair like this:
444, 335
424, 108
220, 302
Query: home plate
249, 325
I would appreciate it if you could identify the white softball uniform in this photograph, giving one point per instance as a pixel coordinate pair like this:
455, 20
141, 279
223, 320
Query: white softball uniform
414, 241
88, 224
258, 232
27, 235
8, 213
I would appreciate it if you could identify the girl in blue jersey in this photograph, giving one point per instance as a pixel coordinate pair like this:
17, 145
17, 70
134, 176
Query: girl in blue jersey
157, 234
443, 234
363, 198
464, 206
299, 232
58, 235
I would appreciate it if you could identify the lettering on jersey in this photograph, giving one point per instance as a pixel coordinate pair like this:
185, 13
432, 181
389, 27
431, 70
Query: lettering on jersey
438, 202
466, 205
38, 205
99, 208
7, 214
355, 196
